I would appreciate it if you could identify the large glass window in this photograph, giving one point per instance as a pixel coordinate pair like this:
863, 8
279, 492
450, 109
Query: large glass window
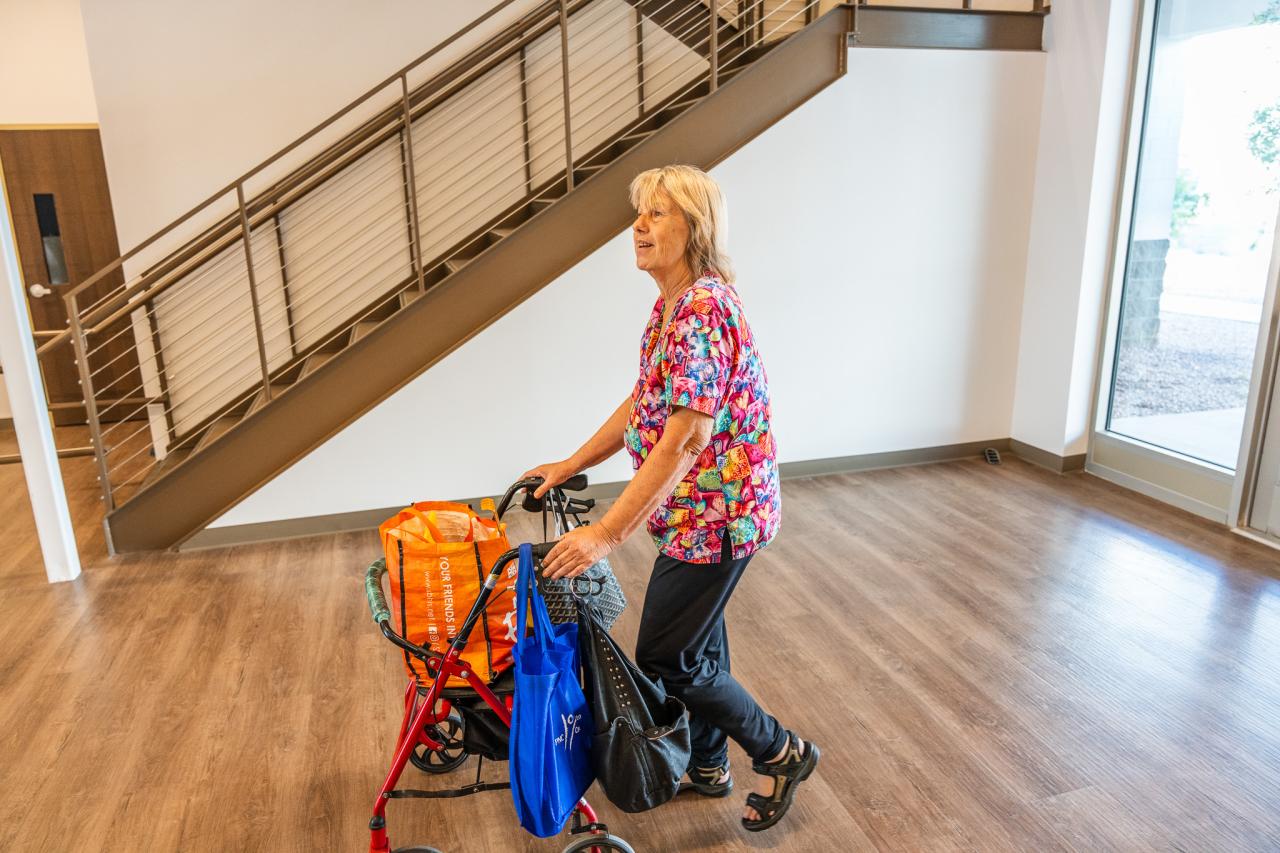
1204, 217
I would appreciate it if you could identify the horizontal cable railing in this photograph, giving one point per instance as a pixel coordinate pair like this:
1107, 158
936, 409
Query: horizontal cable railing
441, 170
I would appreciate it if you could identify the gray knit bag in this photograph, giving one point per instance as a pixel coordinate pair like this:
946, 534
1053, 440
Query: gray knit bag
598, 586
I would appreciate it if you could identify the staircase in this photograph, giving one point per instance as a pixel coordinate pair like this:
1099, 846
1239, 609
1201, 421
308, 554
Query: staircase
295, 300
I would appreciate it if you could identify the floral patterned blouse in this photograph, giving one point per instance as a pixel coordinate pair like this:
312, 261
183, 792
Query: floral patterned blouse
707, 361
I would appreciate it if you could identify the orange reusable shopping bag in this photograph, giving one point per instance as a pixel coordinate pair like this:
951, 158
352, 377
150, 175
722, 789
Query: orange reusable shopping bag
438, 555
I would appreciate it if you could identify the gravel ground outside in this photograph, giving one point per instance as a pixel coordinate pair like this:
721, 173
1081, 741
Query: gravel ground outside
1199, 364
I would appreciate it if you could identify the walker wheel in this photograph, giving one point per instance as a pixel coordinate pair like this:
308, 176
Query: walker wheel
599, 844
448, 732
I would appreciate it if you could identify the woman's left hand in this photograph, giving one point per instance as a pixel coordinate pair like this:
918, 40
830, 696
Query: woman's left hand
577, 551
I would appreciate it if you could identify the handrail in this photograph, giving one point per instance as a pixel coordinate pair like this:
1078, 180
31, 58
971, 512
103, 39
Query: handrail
53, 343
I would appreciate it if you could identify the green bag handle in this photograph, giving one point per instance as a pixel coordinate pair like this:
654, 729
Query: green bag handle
373, 590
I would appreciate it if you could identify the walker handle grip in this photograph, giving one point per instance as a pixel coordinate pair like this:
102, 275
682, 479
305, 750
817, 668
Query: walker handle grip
373, 591
576, 483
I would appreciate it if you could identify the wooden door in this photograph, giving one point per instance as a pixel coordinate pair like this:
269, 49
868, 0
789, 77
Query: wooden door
56, 182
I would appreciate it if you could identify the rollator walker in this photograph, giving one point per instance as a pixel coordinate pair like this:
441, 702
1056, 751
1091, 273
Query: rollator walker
432, 735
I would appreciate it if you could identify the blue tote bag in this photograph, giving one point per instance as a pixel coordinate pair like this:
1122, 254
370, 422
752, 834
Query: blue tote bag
550, 746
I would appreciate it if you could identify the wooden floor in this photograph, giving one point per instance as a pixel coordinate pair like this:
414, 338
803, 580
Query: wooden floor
992, 658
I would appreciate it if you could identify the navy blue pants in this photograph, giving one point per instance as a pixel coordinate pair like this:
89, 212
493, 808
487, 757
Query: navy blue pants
683, 641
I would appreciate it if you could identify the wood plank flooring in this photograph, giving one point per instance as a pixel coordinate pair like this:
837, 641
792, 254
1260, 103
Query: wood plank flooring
992, 658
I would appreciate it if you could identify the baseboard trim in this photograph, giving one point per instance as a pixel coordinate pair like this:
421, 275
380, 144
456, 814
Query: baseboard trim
1045, 459
287, 528
1159, 493
889, 459
369, 519
341, 522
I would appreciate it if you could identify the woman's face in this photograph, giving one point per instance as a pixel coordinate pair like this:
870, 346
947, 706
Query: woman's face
660, 235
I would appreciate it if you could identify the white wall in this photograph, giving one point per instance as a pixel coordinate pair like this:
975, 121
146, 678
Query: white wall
1078, 166
880, 236
44, 75
44, 69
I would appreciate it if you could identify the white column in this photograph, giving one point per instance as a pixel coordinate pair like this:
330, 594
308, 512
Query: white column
1079, 158
31, 417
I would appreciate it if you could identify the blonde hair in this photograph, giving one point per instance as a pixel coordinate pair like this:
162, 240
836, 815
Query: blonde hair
698, 196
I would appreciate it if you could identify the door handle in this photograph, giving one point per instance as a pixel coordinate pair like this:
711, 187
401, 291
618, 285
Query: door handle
39, 290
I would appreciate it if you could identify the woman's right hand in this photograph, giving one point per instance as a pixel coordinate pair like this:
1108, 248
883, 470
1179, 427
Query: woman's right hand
552, 474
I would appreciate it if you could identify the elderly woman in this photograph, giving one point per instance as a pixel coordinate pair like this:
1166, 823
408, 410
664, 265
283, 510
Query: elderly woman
697, 426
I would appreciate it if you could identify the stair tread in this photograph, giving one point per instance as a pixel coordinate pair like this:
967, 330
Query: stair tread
455, 264
364, 327
407, 297
670, 111
315, 360
218, 427
502, 233
261, 399
168, 463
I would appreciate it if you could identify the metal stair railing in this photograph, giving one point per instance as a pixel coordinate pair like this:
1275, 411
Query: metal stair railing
241, 337
293, 271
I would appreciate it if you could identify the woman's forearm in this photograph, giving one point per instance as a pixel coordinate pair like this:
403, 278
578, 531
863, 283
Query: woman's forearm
606, 442
682, 441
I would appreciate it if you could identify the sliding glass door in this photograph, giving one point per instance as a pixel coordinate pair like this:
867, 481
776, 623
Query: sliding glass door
1195, 261
1204, 216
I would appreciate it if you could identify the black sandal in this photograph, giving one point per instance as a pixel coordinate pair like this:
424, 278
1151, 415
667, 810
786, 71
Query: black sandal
705, 780
788, 772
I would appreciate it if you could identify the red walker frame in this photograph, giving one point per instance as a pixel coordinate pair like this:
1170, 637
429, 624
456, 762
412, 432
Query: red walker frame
420, 709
